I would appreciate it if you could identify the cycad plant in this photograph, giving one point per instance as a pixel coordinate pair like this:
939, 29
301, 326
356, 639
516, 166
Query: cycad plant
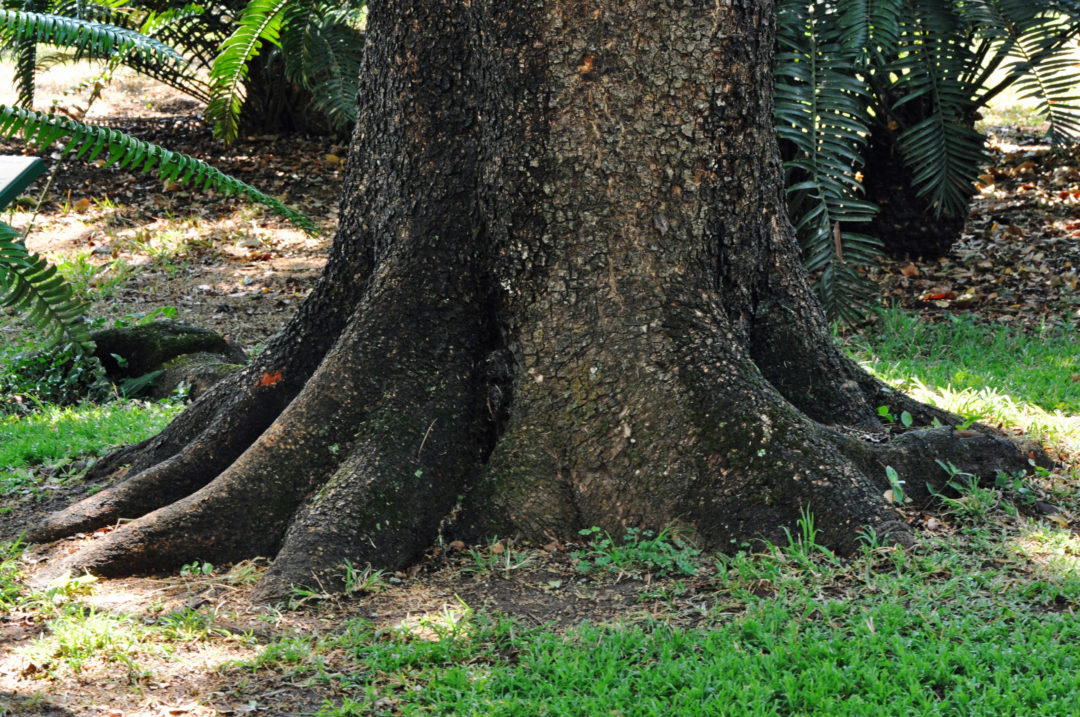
113, 32
319, 44
27, 282
891, 89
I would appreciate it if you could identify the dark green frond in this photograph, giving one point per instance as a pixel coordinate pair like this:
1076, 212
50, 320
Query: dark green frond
323, 50
260, 22
1043, 65
926, 92
30, 285
89, 142
822, 123
93, 38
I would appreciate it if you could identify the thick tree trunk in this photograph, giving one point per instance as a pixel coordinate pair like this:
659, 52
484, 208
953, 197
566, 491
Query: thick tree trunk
572, 300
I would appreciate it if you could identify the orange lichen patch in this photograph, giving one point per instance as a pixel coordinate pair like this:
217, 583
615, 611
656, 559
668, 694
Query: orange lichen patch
270, 379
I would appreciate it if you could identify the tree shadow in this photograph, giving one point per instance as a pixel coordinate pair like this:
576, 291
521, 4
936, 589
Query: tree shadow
30, 705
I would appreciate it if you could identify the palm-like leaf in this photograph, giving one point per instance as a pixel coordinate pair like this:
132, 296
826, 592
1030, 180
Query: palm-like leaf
29, 284
92, 38
123, 150
1042, 64
932, 71
260, 22
25, 58
821, 120
323, 50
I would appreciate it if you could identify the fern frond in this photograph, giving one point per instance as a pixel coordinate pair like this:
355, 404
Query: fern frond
31, 285
260, 22
120, 149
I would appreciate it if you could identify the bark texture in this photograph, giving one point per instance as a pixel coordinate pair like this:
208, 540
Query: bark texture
563, 294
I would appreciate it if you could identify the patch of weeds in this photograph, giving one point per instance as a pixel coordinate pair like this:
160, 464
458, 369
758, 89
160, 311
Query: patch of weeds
196, 569
972, 502
188, 625
287, 654
804, 546
63, 375
356, 581
246, 572
91, 281
78, 635
500, 556
10, 587
640, 551
1019, 486
144, 318
64, 590
363, 581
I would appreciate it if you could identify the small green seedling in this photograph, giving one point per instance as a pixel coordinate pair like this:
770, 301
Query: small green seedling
896, 486
196, 569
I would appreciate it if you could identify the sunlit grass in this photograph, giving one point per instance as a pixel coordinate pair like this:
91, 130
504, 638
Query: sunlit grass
56, 435
993, 373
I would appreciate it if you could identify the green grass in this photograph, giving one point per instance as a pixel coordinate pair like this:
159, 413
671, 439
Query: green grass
995, 373
784, 631
56, 435
970, 355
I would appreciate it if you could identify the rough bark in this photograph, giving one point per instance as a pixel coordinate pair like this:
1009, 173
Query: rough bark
564, 294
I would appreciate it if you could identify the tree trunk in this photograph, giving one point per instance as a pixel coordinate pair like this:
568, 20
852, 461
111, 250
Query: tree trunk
563, 294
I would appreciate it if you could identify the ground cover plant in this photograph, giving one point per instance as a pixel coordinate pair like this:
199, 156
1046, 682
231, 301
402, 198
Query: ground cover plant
978, 618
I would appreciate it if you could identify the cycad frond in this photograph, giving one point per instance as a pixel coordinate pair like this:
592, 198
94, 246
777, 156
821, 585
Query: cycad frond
323, 51
176, 27
260, 22
867, 27
123, 150
1045, 69
822, 122
25, 53
933, 70
93, 38
30, 285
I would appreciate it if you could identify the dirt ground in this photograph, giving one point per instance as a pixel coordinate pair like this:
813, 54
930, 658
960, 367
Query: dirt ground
236, 269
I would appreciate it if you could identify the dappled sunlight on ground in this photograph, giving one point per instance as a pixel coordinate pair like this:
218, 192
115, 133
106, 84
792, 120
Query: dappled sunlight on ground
1055, 551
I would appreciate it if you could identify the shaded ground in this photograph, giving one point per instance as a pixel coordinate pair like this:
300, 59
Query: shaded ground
1018, 260
138, 246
